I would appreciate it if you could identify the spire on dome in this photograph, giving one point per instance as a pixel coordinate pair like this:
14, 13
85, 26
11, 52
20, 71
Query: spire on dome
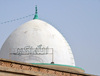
36, 13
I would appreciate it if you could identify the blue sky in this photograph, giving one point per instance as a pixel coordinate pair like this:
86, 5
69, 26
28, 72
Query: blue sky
77, 20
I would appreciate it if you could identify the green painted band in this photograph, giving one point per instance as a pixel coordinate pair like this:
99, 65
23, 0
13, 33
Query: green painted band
57, 64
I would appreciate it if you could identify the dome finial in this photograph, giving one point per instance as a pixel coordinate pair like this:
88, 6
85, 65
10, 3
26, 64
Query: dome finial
36, 13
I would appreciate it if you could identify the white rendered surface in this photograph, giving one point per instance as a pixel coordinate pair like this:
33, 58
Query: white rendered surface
37, 39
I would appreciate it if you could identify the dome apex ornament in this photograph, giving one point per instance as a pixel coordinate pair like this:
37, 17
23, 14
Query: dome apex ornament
36, 13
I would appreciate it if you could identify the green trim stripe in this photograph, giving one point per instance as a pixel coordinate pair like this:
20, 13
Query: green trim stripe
57, 64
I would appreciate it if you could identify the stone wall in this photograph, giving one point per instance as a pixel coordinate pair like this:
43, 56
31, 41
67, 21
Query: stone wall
12, 68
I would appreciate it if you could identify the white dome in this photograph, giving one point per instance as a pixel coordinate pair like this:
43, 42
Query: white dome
34, 42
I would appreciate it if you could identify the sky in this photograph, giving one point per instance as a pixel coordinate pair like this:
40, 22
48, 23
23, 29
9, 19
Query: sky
77, 20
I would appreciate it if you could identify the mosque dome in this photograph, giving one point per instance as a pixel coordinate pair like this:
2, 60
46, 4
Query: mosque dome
37, 42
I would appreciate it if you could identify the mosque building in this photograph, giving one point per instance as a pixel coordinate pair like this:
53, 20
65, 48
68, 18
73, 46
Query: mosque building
37, 44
